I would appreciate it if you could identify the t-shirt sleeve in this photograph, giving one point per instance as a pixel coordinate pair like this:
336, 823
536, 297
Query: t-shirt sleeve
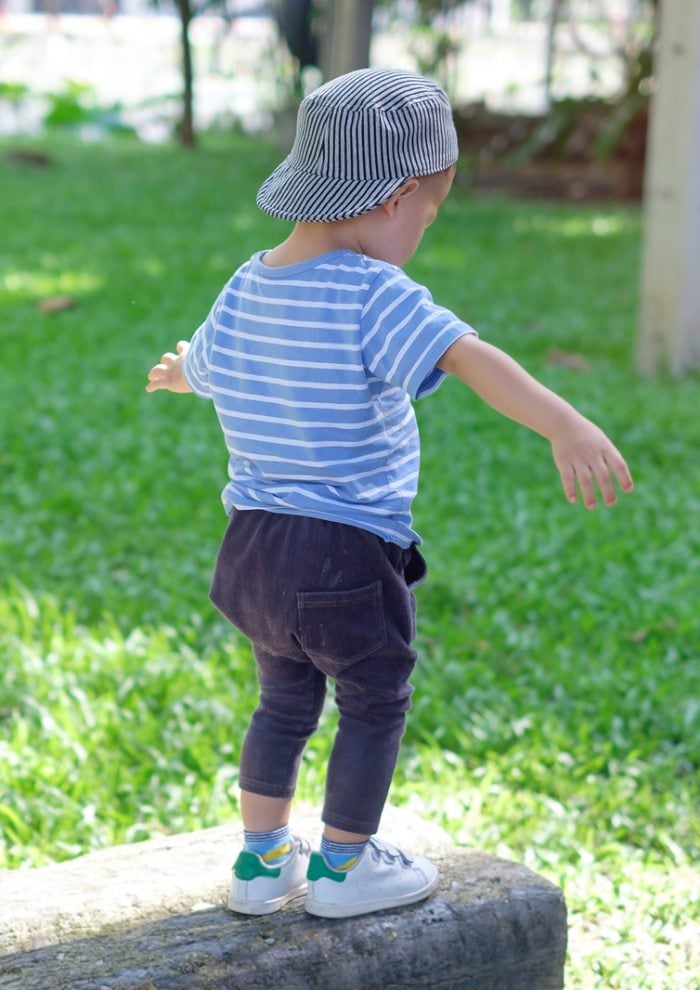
404, 333
197, 360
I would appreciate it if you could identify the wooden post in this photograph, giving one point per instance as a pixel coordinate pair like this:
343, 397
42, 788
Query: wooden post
669, 336
346, 36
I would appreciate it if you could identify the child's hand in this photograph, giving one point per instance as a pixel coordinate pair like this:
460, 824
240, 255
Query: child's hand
582, 452
168, 373
585, 457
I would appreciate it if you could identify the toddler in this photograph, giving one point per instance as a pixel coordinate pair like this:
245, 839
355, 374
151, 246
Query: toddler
312, 355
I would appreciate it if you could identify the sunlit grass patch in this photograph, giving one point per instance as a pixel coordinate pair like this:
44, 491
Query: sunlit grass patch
107, 736
41, 283
111, 737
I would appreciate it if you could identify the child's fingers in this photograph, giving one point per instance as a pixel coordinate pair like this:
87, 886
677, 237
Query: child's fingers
166, 374
568, 481
158, 376
612, 467
605, 484
154, 383
602, 474
618, 466
157, 371
584, 476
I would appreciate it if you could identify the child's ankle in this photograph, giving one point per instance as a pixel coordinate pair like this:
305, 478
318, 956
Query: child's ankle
342, 856
273, 847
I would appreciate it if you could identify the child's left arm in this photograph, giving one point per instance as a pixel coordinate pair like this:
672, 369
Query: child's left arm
168, 372
582, 452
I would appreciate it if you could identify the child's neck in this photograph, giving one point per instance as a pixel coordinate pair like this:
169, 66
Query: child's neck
310, 240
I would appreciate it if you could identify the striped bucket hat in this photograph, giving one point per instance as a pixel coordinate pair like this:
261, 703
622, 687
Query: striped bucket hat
359, 138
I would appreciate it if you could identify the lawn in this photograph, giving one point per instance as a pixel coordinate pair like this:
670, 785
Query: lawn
557, 708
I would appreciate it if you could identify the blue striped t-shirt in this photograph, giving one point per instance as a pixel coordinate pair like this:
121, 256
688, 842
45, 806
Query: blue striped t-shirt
312, 368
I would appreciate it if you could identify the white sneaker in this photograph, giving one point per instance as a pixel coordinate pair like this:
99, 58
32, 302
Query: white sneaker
257, 888
383, 877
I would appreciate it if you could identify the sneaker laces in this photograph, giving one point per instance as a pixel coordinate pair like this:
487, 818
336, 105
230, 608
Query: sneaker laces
384, 852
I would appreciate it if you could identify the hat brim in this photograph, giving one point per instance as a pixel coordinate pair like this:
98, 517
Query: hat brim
302, 196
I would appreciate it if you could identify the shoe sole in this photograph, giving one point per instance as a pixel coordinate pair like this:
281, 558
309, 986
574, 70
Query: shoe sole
259, 908
326, 910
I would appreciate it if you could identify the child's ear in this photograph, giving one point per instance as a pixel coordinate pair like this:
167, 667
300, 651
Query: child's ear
391, 205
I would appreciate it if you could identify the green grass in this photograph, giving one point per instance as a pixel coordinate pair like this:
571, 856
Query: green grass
557, 712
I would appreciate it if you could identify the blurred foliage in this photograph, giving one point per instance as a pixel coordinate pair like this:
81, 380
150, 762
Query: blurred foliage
72, 107
75, 106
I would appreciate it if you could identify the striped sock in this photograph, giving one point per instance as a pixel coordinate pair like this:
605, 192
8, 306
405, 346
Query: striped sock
273, 847
342, 855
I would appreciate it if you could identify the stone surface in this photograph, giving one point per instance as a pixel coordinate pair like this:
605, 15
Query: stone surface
145, 881
492, 925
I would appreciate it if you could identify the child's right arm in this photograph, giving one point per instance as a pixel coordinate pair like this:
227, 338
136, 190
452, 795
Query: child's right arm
582, 452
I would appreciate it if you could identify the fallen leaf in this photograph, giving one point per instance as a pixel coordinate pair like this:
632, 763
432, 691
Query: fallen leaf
56, 304
573, 361
37, 159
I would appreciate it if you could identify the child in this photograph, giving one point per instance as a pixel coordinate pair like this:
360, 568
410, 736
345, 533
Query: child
312, 354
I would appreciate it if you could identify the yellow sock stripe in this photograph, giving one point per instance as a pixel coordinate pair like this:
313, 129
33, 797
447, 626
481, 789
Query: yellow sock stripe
277, 853
347, 864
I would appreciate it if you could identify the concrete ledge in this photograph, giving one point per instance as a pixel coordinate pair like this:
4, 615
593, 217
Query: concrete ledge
492, 925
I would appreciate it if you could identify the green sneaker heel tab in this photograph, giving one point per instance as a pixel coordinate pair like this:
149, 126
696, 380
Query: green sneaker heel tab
248, 866
319, 869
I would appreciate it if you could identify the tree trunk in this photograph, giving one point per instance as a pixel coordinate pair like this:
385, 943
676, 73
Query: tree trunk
346, 36
186, 128
553, 18
669, 336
